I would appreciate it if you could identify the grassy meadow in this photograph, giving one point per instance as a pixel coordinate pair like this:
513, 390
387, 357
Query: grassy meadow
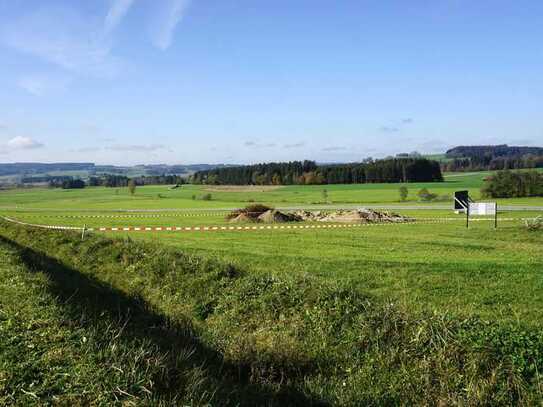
419, 313
120, 322
190, 196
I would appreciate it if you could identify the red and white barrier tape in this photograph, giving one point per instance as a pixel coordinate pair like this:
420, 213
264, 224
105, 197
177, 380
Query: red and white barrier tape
55, 227
246, 227
142, 216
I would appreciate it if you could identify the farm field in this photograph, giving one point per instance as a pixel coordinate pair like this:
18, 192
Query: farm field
443, 267
310, 316
189, 196
428, 264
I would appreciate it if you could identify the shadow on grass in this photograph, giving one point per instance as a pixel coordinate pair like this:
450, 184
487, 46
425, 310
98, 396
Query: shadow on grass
92, 302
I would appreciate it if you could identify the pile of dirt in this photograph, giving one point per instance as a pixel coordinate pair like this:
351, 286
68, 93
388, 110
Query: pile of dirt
352, 216
262, 214
274, 216
250, 213
242, 217
265, 214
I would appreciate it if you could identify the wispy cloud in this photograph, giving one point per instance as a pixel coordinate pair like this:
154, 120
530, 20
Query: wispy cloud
23, 143
116, 13
254, 144
295, 145
163, 29
39, 85
63, 37
389, 129
396, 126
80, 44
334, 148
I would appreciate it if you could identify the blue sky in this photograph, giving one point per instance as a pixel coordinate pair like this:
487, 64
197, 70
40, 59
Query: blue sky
181, 81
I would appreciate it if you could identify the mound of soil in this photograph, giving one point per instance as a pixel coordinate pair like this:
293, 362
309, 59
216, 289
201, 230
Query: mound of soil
273, 216
264, 214
250, 213
242, 217
352, 216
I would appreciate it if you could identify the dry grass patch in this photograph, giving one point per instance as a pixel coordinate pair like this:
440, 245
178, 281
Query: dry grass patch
243, 188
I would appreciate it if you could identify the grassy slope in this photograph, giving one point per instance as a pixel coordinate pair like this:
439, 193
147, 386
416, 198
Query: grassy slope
496, 274
69, 337
443, 266
100, 320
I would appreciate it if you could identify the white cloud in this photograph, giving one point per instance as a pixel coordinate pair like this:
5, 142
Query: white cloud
389, 129
23, 143
61, 36
254, 144
40, 85
334, 148
116, 13
295, 145
169, 16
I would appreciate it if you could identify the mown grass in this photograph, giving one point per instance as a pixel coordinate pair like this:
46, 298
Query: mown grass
481, 271
157, 197
117, 321
441, 266
70, 338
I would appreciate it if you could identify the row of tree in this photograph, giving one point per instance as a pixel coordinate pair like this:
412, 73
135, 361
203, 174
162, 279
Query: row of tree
499, 157
308, 172
109, 180
513, 184
501, 150
488, 163
115, 181
159, 180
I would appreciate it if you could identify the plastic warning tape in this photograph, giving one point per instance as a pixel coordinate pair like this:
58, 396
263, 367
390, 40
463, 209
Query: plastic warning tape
142, 216
269, 227
245, 227
55, 227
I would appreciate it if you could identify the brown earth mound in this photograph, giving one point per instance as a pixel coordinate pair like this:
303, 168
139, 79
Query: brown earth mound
273, 216
264, 214
242, 217
248, 214
352, 216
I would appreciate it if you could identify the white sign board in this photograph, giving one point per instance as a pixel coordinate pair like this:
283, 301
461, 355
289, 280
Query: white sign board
482, 208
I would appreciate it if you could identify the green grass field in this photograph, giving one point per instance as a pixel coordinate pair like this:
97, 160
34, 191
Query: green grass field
160, 197
435, 265
431, 270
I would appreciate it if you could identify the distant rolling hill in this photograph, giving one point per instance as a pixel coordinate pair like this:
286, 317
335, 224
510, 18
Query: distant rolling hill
12, 173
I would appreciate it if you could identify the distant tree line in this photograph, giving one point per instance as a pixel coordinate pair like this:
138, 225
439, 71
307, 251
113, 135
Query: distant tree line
159, 180
116, 181
501, 157
41, 168
73, 184
513, 184
308, 172
501, 150
55, 180
109, 180
65, 182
